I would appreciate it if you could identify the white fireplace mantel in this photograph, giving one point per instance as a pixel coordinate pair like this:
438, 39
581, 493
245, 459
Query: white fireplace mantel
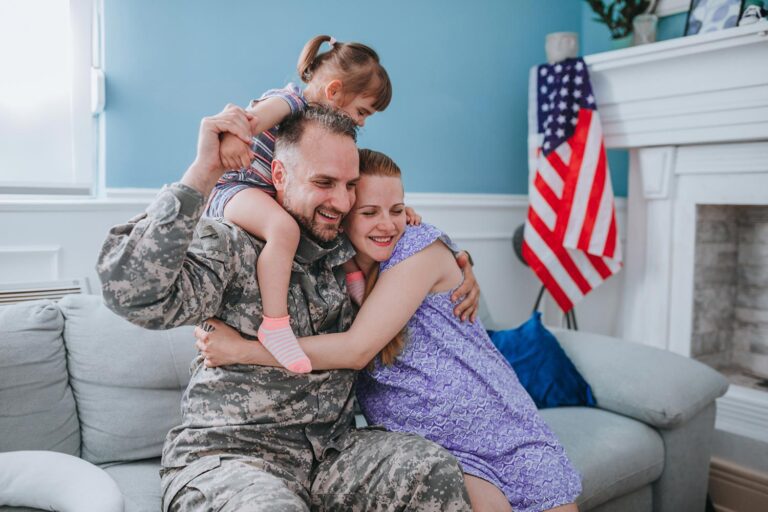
694, 114
691, 90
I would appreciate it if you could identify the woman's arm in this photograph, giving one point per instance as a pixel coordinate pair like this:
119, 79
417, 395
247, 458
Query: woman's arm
395, 298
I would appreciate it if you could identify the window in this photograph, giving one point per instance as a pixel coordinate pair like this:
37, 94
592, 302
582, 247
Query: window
48, 134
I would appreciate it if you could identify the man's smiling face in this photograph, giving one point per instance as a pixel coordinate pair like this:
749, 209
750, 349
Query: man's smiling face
316, 182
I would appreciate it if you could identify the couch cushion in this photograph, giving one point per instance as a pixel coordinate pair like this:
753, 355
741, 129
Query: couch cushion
640, 500
542, 366
652, 385
614, 454
56, 481
139, 482
127, 380
37, 409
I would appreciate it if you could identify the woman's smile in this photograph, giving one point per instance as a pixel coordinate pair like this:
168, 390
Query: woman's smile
382, 241
377, 220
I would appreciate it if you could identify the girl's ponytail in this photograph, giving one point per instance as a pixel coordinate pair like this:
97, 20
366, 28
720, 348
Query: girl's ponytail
356, 64
307, 64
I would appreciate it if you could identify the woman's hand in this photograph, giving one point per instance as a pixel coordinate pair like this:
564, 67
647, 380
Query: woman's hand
221, 345
469, 289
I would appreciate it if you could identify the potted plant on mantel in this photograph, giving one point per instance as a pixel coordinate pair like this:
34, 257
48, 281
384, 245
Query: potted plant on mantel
618, 15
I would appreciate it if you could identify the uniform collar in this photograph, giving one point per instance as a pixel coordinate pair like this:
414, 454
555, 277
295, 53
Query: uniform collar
336, 251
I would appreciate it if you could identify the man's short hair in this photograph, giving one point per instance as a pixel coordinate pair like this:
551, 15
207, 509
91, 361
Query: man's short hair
291, 129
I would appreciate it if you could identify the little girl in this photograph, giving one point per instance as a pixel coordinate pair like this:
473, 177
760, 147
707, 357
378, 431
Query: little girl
349, 77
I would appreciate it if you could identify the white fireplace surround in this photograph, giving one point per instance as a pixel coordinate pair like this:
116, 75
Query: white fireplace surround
694, 113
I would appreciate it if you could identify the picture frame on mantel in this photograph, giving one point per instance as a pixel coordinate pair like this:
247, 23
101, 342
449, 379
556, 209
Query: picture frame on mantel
712, 15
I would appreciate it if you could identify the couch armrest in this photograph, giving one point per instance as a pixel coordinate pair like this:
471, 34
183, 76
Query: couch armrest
654, 386
56, 481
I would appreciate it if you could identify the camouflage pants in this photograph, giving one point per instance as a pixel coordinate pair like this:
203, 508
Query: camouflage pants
375, 471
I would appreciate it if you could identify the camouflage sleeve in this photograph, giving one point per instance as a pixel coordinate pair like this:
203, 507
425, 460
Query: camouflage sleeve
156, 273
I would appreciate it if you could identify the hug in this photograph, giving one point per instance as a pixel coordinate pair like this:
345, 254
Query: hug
277, 415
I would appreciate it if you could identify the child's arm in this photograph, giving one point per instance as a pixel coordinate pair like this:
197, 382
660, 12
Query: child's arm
235, 154
411, 217
394, 299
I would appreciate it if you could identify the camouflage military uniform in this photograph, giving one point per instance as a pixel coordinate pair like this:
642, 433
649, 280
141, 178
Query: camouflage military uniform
252, 437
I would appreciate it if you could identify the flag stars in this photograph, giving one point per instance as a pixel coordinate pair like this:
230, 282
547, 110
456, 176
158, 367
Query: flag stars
566, 79
543, 71
560, 132
562, 105
576, 107
579, 66
578, 80
574, 121
543, 89
590, 99
558, 68
577, 94
550, 79
561, 119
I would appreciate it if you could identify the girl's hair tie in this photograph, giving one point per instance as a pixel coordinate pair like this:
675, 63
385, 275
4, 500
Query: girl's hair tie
332, 42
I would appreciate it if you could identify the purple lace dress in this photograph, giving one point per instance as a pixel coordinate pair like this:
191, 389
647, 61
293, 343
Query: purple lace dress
452, 386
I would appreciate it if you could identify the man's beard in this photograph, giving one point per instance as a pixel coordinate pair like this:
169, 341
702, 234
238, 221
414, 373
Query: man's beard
319, 231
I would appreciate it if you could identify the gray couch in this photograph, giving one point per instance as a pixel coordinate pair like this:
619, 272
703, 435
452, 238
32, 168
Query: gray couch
75, 378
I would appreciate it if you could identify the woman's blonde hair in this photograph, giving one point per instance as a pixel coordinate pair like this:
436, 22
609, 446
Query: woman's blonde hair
356, 65
373, 163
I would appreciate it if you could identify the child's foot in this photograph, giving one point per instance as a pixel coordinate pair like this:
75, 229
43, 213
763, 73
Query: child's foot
278, 338
356, 286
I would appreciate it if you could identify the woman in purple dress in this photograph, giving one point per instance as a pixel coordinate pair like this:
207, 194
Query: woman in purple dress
427, 372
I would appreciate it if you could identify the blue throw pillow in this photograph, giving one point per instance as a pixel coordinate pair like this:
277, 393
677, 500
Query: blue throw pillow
542, 366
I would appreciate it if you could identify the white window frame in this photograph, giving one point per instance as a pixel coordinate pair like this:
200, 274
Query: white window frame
87, 104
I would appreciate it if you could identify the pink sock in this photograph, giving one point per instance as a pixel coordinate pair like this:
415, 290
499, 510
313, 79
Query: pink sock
276, 335
356, 286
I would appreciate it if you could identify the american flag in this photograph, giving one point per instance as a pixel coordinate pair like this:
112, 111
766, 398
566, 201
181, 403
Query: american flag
570, 239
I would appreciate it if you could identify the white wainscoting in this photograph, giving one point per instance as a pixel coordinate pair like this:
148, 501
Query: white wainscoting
53, 240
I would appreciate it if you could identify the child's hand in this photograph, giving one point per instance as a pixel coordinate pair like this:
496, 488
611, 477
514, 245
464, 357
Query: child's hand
234, 153
411, 217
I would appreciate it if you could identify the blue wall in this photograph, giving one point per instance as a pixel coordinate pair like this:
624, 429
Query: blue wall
458, 119
457, 122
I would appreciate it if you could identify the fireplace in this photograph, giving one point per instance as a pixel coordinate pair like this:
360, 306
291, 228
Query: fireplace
694, 114
730, 302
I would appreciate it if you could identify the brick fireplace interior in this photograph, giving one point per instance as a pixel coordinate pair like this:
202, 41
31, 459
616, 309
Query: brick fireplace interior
730, 315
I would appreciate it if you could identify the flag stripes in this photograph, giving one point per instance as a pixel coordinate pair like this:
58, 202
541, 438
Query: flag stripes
570, 237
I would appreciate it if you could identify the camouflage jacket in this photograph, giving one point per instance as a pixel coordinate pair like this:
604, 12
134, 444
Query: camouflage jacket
167, 267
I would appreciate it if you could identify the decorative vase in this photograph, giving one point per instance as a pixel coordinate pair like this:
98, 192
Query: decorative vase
644, 29
561, 45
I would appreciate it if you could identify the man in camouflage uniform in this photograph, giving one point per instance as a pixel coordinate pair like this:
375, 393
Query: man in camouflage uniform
261, 438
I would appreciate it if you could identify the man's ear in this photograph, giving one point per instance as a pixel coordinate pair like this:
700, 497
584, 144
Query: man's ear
333, 92
278, 174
